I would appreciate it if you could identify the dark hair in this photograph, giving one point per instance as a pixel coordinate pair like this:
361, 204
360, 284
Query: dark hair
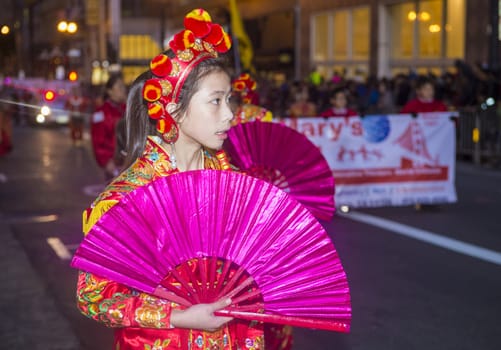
138, 123
338, 90
422, 81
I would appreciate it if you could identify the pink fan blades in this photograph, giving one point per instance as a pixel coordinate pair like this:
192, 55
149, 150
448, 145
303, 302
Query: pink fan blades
282, 156
233, 236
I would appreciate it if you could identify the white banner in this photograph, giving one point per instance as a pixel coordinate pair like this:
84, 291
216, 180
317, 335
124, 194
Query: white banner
387, 160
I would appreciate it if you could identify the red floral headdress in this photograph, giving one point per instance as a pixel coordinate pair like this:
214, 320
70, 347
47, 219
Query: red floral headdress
244, 85
201, 39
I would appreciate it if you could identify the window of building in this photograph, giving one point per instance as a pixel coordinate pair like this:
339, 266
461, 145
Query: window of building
430, 24
360, 36
341, 39
340, 35
321, 30
402, 19
138, 47
455, 28
427, 30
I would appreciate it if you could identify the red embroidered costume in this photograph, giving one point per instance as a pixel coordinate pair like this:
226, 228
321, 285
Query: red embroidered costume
248, 110
142, 321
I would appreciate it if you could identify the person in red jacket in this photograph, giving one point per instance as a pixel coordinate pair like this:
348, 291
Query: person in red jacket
425, 99
339, 103
103, 125
424, 102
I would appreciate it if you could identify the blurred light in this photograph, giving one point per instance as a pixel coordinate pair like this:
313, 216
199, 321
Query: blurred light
96, 76
475, 135
5, 30
74, 53
434, 28
45, 110
284, 58
40, 119
424, 16
46, 160
115, 67
73, 76
411, 16
49, 95
72, 28
344, 208
68, 27
62, 26
490, 101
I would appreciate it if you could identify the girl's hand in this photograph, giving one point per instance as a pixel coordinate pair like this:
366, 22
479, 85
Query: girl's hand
201, 316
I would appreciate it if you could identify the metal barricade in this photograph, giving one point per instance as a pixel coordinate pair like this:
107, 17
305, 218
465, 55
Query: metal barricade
478, 134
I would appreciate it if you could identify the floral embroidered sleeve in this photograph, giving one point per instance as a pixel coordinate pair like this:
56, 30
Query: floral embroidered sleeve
115, 305
109, 302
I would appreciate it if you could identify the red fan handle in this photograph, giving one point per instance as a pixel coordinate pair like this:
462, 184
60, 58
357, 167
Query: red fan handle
286, 320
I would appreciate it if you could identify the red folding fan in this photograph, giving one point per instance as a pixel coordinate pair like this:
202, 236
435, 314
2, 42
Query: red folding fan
282, 156
198, 236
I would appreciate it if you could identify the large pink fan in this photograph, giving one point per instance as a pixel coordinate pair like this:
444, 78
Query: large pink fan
198, 236
284, 157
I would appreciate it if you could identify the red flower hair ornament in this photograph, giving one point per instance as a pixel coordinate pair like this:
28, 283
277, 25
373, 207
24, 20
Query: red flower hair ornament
201, 39
244, 84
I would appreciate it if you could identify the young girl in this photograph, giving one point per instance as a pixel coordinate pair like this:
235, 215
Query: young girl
177, 115
103, 125
302, 107
339, 105
425, 99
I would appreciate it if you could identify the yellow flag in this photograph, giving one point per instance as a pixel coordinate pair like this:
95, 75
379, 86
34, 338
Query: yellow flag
244, 44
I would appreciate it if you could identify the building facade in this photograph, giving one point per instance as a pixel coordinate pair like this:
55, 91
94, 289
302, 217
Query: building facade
368, 37
290, 37
383, 38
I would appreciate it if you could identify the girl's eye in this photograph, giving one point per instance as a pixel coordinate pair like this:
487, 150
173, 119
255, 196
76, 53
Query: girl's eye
216, 101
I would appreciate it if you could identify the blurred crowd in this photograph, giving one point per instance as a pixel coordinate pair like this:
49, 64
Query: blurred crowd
467, 87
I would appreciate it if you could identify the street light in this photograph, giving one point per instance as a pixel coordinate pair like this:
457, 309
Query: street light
5, 30
67, 27
72, 28
62, 26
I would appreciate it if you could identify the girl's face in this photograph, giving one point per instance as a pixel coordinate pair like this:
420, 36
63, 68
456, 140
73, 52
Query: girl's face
339, 100
207, 119
118, 92
426, 92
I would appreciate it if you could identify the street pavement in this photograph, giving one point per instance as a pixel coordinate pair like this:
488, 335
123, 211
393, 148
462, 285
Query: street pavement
407, 293
30, 317
34, 316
